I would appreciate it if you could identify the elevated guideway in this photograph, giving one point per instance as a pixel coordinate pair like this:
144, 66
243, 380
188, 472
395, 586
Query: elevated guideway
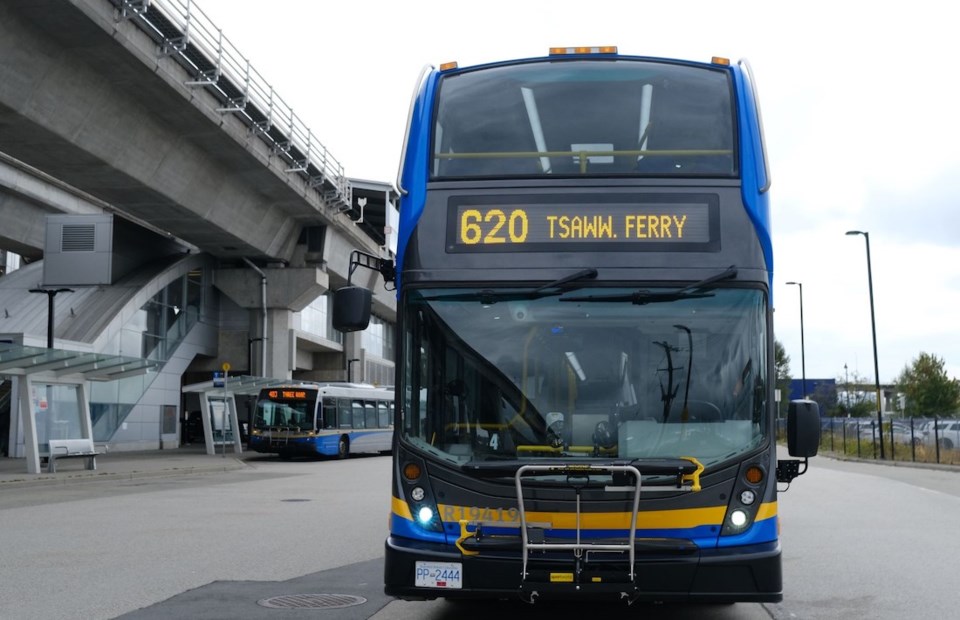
145, 109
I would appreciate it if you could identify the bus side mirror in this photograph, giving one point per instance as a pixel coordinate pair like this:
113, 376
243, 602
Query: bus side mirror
351, 308
803, 428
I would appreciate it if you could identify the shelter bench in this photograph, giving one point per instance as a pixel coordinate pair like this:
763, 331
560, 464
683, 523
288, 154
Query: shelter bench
72, 448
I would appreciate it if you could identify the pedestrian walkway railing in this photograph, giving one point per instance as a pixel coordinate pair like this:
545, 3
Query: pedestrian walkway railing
184, 33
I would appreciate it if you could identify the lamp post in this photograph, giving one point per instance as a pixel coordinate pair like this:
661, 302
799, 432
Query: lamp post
51, 293
846, 386
873, 324
803, 360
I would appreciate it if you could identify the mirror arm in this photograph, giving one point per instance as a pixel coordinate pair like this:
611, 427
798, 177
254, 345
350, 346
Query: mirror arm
384, 266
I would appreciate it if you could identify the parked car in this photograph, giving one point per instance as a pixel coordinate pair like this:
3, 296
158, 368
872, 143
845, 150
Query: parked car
947, 433
902, 432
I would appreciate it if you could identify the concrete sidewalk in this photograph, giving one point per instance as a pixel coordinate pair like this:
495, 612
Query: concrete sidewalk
124, 465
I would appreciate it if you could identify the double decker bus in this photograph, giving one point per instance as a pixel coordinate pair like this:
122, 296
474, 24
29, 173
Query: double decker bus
585, 375
322, 419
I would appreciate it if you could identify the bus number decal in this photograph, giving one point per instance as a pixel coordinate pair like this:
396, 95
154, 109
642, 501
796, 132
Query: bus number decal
475, 513
487, 228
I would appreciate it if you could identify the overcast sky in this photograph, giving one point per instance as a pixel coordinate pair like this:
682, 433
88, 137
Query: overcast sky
859, 102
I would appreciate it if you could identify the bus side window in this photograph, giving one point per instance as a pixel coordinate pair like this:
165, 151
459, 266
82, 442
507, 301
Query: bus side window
328, 413
370, 414
344, 414
358, 414
264, 414
383, 414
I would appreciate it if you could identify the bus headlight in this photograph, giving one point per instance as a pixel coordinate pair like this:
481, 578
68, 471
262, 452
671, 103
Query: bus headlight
738, 519
425, 515
747, 497
417, 494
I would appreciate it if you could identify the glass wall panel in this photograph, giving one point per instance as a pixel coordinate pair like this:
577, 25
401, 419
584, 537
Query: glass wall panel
56, 409
317, 319
378, 338
153, 332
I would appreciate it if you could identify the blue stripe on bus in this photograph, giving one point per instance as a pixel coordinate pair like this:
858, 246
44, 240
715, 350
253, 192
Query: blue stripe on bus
705, 537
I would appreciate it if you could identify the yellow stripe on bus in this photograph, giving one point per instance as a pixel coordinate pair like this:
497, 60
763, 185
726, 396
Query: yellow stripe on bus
655, 519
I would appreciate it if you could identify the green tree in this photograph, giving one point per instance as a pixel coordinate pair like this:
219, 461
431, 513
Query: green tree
781, 364
928, 389
854, 402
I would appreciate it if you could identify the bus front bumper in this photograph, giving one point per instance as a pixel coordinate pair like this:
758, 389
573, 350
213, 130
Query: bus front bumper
739, 574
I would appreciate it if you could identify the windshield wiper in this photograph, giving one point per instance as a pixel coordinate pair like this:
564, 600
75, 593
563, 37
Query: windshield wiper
659, 466
584, 274
491, 296
644, 296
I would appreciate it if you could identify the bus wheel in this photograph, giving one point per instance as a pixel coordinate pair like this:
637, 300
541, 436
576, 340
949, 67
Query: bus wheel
343, 448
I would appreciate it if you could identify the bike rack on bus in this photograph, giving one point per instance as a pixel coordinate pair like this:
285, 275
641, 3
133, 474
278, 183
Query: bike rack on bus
578, 476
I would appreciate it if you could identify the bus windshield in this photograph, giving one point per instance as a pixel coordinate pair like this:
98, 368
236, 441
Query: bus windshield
593, 117
296, 413
494, 374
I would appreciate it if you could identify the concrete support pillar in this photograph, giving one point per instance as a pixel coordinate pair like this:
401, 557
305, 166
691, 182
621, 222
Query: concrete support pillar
281, 344
288, 290
29, 426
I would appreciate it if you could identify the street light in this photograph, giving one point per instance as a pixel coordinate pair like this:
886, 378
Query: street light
846, 386
350, 368
51, 293
803, 359
873, 324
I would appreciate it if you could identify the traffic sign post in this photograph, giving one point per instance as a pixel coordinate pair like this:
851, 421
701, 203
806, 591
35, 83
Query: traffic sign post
223, 412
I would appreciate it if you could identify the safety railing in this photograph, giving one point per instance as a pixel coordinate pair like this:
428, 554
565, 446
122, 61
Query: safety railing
185, 33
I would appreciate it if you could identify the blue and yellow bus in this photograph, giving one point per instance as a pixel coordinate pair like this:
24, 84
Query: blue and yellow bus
585, 380
322, 419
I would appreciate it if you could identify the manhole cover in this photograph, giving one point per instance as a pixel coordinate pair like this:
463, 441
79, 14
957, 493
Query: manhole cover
312, 601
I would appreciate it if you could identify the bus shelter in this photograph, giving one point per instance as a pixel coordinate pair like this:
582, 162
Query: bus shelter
218, 408
50, 396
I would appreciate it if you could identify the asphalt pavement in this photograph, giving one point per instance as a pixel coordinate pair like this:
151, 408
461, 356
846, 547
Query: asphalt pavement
255, 592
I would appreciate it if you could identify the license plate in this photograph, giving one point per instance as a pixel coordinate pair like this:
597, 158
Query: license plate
439, 575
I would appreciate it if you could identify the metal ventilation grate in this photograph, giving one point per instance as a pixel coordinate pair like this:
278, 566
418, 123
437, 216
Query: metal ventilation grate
78, 237
312, 601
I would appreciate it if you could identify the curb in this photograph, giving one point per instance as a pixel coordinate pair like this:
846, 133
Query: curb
50, 480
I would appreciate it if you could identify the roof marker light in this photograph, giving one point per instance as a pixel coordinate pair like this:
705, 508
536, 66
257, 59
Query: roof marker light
449, 65
720, 60
603, 49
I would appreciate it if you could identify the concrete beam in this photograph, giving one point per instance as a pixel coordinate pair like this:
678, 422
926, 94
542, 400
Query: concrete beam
27, 196
289, 288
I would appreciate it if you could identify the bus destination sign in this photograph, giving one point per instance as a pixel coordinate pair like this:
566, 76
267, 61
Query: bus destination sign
509, 226
287, 394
